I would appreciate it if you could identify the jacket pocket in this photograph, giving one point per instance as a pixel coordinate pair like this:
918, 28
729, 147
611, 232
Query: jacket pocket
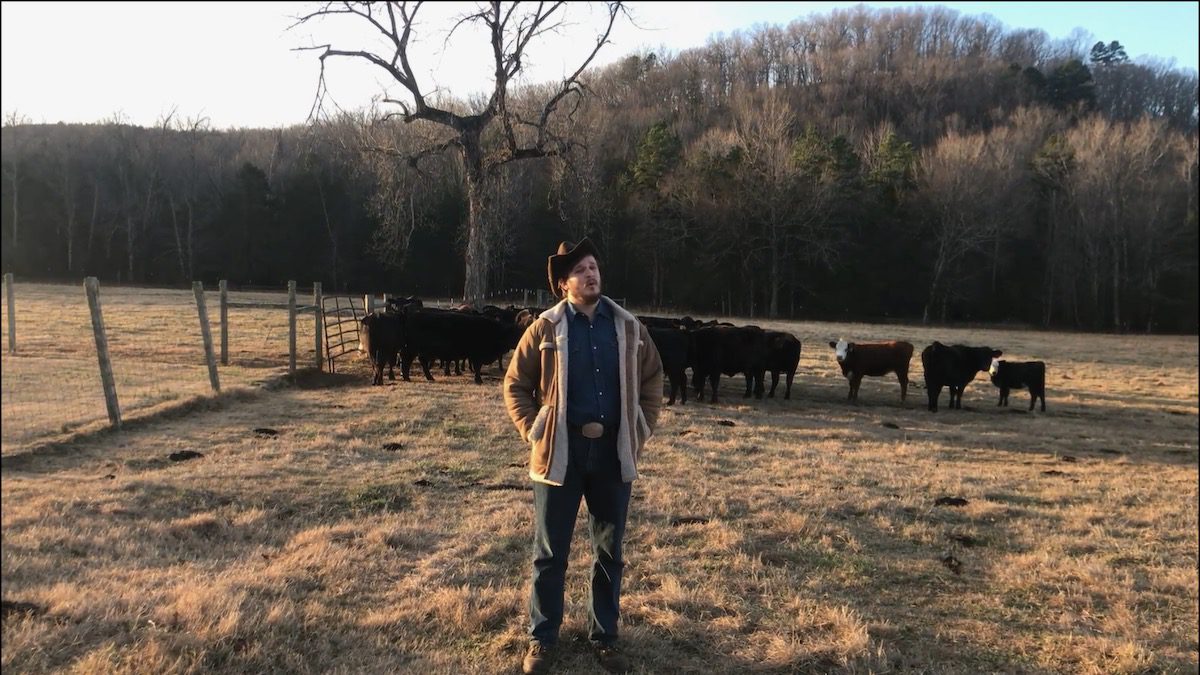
538, 428
643, 428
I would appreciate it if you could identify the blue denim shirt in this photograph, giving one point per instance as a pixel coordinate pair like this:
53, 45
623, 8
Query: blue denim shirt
593, 369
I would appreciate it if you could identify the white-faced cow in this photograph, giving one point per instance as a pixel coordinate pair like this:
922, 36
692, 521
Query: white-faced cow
873, 359
1031, 375
953, 367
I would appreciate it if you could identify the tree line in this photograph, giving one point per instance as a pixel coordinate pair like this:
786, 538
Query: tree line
866, 164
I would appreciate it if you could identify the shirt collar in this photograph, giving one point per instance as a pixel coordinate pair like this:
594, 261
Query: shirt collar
601, 309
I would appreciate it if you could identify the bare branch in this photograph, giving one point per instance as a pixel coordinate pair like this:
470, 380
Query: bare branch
568, 86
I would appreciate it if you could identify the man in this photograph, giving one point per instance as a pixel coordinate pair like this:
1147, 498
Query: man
584, 388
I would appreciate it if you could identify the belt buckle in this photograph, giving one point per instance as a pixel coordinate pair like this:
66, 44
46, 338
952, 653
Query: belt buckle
592, 430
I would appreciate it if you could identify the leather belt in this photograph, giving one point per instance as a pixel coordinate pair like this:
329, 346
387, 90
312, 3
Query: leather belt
591, 430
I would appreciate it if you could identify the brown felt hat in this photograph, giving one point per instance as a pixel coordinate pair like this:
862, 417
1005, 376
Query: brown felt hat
558, 266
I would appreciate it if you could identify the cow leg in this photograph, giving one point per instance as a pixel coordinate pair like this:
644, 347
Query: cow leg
425, 363
698, 384
788, 394
478, 368
683, 387
855, 383
933, 393
715, 380
759, 379
1004, 396
903, 377
774, 383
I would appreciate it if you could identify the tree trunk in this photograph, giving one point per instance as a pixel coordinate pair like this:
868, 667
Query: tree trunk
179, 254
70, 233
1116, 289
191, 230
773, 305
91, 235
938, 267
478, 258
333, 244
130, 237
1051, 263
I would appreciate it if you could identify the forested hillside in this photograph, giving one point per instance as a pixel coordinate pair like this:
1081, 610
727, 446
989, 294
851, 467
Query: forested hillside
866, 164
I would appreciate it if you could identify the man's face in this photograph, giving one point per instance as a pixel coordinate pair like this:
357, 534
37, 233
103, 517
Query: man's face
582, 284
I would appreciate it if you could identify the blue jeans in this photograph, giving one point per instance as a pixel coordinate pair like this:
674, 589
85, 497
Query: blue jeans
593, 473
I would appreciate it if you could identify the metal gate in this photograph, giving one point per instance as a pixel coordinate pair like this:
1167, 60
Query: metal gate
343, 316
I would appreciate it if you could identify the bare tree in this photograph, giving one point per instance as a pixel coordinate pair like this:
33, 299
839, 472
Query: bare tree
12, 171
787, 201
955, 177
511, 28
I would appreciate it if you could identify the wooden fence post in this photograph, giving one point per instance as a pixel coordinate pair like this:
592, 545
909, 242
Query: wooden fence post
92, 286
292, 328
318, 323
12, 313
206, 335
368, 303
224, 286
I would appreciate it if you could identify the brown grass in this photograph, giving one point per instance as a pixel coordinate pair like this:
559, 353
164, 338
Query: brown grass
52, 389
814, 544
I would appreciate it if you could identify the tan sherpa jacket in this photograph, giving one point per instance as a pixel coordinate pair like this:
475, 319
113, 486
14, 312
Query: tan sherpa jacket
535, 391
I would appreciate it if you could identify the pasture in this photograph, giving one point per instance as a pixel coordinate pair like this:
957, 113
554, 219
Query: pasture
387, 529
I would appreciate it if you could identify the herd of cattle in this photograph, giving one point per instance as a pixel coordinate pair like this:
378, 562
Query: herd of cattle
407, 330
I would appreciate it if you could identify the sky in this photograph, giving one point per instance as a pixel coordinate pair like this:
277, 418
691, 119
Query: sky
236, 64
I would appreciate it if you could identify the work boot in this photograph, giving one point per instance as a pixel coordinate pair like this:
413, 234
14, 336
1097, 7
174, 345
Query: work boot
538, 659
612, 660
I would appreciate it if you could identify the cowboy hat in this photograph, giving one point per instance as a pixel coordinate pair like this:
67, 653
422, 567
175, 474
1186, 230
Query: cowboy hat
558, 266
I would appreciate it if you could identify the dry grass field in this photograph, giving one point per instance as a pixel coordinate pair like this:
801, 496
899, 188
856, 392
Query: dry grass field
52, 389
387, 529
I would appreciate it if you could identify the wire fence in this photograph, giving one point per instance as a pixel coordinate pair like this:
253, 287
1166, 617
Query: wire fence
51, 385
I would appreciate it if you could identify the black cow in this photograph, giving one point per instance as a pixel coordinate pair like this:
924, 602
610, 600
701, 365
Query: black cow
783, 355
400, 304
660, 322
449, 335
953, 367
873, 359
729, 350
675, 348
1029, 375
380, 337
